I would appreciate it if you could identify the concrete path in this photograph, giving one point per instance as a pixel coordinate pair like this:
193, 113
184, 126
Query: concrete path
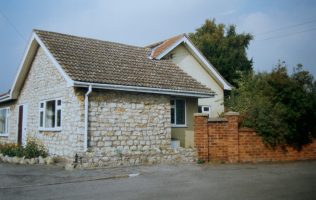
245, 181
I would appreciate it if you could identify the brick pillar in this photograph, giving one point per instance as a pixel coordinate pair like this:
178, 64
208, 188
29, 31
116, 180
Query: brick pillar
232, 137
201, 135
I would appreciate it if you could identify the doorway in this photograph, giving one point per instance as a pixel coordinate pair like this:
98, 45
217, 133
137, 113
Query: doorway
22, 122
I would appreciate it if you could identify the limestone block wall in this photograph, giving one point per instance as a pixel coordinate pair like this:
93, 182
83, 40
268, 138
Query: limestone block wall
130, 121
128, 128
44, 82
115, 158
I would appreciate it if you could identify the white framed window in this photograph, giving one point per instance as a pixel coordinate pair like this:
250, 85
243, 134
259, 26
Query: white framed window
4, 120
178, 112
50, 115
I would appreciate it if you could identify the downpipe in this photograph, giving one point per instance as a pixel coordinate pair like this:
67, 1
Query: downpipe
86, 117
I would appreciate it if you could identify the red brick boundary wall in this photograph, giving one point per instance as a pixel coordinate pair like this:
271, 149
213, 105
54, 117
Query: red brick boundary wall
220, 140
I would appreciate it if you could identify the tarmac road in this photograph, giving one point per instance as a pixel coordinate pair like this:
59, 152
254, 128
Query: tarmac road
295, 180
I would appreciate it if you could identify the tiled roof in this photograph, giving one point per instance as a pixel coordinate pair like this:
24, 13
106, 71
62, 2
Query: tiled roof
159, 47
96, 61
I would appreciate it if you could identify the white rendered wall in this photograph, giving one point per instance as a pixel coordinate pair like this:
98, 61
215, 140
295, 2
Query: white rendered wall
186, 61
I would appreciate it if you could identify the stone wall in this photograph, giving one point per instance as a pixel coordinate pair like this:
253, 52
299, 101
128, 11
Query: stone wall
128, 128
125, 120
221, 140
115, 157
44, 82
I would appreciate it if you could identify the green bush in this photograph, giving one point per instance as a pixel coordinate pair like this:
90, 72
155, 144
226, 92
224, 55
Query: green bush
199, 161
32, 149
11, 150
280, 107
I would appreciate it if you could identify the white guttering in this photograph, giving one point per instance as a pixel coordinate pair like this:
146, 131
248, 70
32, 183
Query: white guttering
5, 97
86, 117
145, 89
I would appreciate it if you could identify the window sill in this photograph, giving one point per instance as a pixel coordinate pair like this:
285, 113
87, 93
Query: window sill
179, 126
50, 129
4, 135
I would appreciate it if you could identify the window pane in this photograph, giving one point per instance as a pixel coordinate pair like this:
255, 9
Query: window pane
50, 114
206, 109
41, 119
172, 115
42, 105
3, 118
58, 102
199, 109
180, 112
172, 102
58, 118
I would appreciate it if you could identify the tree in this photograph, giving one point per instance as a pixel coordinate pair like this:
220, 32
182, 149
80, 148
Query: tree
280, 107
224, 48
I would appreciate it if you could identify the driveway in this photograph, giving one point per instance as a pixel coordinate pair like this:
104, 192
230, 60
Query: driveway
288, 181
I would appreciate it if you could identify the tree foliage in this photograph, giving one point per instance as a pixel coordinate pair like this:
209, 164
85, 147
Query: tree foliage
224, 48
280, 107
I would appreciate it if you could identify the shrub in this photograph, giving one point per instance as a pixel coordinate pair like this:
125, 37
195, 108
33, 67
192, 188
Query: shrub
280, 107
33, 149
199, 161
11, 150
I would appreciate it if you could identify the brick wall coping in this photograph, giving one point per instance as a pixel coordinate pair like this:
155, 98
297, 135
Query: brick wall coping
200, 115
217, 120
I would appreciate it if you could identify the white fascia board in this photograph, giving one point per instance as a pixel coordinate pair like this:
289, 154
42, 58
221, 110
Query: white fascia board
144, 89
21, 65
69, 81
200, 56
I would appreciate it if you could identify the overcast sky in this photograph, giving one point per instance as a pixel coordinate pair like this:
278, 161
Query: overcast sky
283, 29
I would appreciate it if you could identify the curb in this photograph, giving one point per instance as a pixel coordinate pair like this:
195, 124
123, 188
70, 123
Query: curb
75, 181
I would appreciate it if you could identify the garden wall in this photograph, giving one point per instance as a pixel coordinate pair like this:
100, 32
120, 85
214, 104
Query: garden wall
221, 140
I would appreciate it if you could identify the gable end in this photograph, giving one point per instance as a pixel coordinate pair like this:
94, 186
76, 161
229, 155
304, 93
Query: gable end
199, 56
32, 47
